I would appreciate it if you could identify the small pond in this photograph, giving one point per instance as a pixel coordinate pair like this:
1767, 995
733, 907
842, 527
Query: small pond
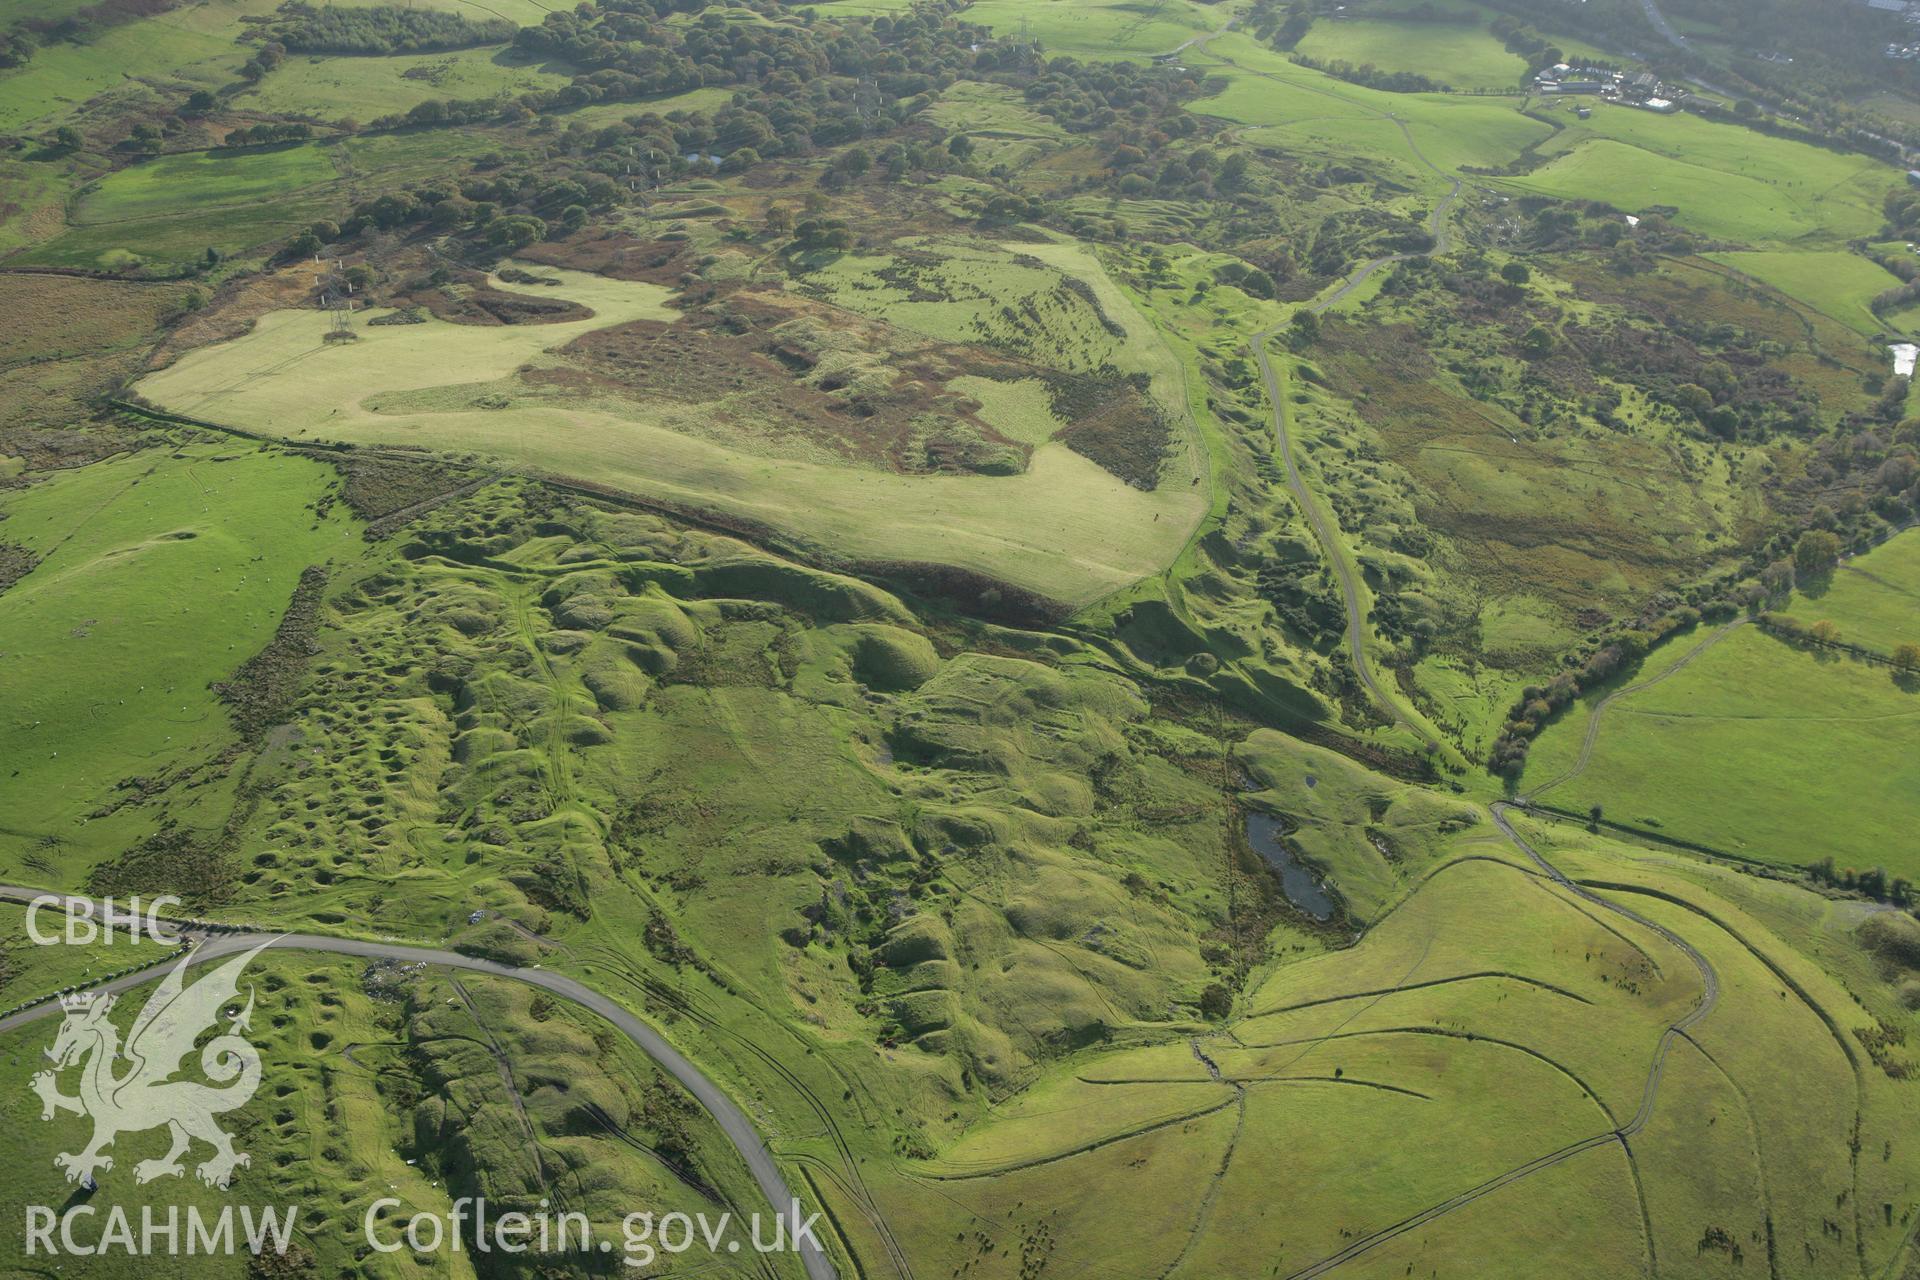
1265, 833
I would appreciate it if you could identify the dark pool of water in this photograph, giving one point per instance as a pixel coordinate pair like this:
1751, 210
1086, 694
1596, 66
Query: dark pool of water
1264, 832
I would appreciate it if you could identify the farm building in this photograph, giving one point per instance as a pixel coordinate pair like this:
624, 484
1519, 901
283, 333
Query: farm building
1665, 106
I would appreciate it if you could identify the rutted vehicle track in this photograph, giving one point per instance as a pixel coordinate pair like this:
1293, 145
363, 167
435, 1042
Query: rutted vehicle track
1323, 530
1599, 711
1709, 997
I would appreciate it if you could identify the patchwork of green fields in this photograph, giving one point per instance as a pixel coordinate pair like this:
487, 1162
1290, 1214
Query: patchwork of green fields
902, 658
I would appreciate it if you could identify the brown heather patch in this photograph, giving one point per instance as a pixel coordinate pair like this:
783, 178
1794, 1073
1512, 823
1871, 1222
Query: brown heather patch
768, 366
389, 492
56, 317
56, 448
261, 693
1693, 293
68, 340
1565, 514
617, 255
1114, 422
197, 868
16, 562
481, 304
236, 306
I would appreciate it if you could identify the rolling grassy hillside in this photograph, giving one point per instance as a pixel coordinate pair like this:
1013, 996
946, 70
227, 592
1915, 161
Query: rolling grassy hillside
1014, 620
420, 384
140, 561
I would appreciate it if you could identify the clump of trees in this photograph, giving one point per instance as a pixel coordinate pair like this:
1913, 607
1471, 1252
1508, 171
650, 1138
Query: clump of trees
1525, 41
1373, 77
263, 134
383, 29
1609, 656
1874, 883
1817, 551
1282, 30
16, 47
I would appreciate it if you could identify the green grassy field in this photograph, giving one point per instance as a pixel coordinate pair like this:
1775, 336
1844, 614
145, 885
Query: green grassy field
1799, 996
194, 45
1462, 54
145, 560
1119, 29
178, 240
1724, 180
1840, 285
1874, 599
528, 13
1314, 113
418, 385
1762, 750
158, 212
1392, 1046
600, 114
34, 194
1004, 129
171, 184
30, 970
364, 87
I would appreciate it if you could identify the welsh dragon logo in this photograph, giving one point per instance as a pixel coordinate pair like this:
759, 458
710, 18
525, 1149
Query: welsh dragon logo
131, 1088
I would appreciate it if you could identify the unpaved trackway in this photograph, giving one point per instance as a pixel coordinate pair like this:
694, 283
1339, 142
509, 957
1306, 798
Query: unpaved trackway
1709, 997
1665, 28
1356, 636
1317, 519
1599, 711
726, 1113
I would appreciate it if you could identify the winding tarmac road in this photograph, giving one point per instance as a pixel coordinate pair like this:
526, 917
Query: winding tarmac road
726, 1113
